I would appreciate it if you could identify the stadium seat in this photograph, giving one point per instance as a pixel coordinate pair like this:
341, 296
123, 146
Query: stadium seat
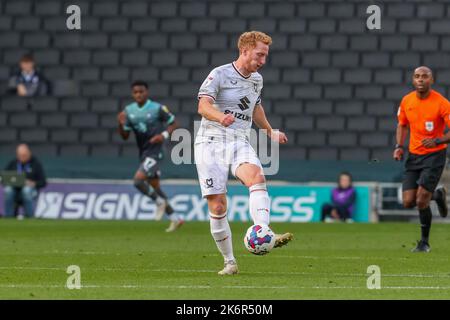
62, 88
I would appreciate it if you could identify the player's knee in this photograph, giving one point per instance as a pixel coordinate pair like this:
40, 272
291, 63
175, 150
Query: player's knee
422, 202
138, 183
218, 208
256, 179
409, 203
217, 205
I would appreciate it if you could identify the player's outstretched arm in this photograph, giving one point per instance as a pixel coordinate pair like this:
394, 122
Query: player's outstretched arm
122, 118
208, 111
260, 119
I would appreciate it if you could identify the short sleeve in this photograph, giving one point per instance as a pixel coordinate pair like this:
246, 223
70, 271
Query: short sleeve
445, 111
401, 115
166, 116
258, 101
210, 87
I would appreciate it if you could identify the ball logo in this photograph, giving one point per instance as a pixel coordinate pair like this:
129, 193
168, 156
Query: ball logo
255, 240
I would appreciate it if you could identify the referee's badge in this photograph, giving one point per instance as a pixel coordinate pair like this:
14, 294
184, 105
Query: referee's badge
429, 125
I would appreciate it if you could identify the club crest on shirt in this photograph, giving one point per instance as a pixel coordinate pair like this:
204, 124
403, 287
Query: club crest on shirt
209, 183
429, 125
208, 81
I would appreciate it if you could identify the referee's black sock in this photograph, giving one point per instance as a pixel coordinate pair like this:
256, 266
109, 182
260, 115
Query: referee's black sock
425, 223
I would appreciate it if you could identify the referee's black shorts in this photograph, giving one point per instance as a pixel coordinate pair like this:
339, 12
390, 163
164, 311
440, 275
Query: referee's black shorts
424, 170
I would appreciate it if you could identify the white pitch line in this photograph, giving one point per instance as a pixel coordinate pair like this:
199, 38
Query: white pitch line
413, 288
330, 258
425, 275
118, 269
83, 253
252, 256
30, 268
94, 286
190, 287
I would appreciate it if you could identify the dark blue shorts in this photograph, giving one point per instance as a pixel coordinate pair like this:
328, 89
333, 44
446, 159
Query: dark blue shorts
150, 167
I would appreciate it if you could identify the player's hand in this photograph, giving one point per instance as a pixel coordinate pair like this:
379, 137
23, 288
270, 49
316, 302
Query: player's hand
429, 143
227, 120
278, 136
398, 154
159, 138
122, 118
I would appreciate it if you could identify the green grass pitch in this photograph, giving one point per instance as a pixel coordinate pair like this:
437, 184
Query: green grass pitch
138, 260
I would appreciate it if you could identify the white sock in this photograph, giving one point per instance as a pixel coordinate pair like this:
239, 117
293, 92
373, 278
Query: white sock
173, 216
259, 204
221, 232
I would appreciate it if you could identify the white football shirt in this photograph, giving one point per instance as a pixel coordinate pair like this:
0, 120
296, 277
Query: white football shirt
233, 94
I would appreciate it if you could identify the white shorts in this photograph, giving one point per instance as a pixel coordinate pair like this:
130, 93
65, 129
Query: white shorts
214, 157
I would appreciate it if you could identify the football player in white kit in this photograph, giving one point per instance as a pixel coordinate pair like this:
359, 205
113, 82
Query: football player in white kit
229, 100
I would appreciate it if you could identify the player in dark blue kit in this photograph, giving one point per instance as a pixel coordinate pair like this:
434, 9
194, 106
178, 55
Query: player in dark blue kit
152, 124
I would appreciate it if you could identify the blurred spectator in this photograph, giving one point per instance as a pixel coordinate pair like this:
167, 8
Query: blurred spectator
28, 82
343, 198
26, 163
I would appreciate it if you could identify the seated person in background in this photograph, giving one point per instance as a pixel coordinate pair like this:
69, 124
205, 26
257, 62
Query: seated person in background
27, 82
342, 201
35, 179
